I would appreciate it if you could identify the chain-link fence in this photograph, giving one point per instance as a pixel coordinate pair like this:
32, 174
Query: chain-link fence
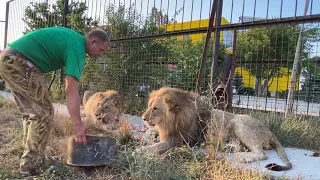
161, 43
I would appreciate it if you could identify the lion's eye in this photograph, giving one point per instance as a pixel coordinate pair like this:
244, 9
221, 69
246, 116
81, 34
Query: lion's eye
154, 108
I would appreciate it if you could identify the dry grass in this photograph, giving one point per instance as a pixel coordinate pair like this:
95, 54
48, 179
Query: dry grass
181, 163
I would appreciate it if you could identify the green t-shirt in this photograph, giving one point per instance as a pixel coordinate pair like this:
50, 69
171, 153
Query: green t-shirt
53, 48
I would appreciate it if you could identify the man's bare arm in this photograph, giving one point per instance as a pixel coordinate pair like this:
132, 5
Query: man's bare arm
73, 105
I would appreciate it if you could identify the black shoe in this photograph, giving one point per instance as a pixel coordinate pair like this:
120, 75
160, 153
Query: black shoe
31, 172
48, 164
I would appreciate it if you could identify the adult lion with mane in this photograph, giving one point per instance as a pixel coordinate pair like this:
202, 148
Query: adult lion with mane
181, 117
103, 109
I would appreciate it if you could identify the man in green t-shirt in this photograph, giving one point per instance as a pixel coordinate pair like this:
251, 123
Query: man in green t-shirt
22, 66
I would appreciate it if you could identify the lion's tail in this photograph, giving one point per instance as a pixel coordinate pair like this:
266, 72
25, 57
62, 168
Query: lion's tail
280, 150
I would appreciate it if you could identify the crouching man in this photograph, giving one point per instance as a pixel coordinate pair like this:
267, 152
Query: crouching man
22, 66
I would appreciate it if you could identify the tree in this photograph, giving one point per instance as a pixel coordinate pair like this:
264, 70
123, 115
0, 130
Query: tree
187, 55
310, 90
266, 50
42, 15
133, 62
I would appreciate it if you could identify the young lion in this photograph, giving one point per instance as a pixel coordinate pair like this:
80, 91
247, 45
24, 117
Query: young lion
243, 132
180, 117
103, 108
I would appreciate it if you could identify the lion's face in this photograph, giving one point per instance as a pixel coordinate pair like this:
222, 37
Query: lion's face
107, 112
155, 112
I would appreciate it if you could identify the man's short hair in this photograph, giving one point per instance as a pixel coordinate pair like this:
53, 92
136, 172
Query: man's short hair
101, 34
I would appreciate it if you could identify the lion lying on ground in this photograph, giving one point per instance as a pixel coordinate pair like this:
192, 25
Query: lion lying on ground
179, 117
103, 109
245, 133
182, 117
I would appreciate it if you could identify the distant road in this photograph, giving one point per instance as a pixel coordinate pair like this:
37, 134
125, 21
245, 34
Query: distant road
248, 102
273, 104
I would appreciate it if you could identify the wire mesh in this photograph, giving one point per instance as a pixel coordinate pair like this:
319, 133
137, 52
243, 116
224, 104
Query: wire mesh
160, 43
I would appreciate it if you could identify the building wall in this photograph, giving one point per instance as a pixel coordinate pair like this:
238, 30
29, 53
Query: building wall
275, 84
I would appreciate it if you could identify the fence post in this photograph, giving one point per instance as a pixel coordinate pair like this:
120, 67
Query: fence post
233, 67
215, 60
6, 25
64, 24
205, 48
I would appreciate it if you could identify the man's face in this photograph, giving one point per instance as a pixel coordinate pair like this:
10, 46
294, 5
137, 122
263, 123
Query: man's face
96, 47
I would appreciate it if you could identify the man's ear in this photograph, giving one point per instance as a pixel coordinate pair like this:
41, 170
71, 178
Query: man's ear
92, 41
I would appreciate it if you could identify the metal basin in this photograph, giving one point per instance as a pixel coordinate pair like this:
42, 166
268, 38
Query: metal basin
99, 151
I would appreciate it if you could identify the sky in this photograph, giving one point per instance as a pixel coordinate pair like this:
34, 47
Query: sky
190, 10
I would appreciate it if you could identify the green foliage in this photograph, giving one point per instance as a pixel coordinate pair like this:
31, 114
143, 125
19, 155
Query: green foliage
310, 91
93, 77
188, 56
264, 45
6, 174
260, 48
133, 62
42, 15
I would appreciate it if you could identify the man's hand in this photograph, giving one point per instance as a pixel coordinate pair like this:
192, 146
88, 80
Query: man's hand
73, 104
81, 132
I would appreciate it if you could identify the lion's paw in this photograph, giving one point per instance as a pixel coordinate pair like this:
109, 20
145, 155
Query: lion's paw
243, 157
152, 136
144, 150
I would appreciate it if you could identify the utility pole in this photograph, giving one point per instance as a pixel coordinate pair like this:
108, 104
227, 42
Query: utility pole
65, 24
294, 72
6, 25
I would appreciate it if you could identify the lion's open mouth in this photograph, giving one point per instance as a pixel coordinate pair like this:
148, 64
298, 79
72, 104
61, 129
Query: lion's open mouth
149, 123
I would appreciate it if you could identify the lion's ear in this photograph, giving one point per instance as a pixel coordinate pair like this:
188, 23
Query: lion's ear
152, 94
117, 99
100, 95
194, 94
174, 107
172, 104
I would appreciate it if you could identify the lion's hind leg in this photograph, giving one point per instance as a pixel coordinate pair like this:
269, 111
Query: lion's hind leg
253, 142
256, 154
232, 145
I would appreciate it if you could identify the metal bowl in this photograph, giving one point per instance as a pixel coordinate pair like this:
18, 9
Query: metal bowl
99, 151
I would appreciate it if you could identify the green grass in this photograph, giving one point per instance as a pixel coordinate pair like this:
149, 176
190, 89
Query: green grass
181, 163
